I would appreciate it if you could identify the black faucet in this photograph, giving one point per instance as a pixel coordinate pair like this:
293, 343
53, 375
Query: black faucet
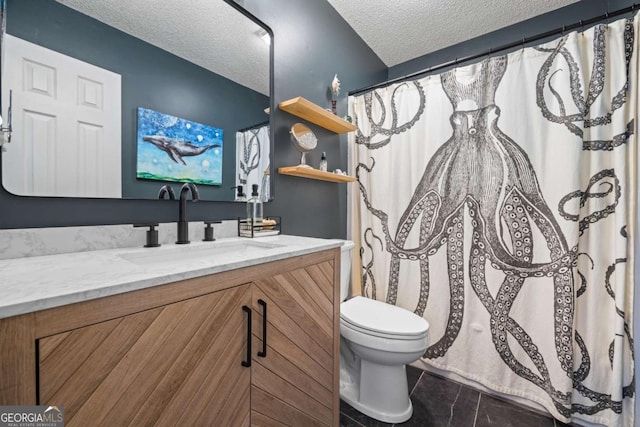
166, 190
183, 225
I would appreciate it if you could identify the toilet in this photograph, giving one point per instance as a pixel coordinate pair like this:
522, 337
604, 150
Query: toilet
377, 341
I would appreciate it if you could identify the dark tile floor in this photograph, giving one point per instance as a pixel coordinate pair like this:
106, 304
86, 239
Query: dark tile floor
439, 402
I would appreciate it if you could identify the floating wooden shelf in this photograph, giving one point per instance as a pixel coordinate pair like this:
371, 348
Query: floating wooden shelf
315, 114
315, 174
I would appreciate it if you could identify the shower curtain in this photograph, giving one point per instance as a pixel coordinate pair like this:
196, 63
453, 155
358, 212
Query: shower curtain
252, 160
497, 200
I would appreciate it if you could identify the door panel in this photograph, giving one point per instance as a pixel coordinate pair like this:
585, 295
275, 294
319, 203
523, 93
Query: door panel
295, 375
265, 405
66, 137
294, 384
293, 307
174, 365
271, 383
300, 337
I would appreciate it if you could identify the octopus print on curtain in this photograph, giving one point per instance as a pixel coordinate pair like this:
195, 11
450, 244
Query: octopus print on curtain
497, 200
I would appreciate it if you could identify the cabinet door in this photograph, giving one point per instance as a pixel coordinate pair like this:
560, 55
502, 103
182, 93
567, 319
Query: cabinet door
179, 364
294, 383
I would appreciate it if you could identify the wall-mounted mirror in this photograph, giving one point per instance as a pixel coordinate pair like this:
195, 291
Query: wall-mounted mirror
116, 98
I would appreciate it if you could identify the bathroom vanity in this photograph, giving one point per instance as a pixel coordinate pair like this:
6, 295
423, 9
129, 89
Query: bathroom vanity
238, 332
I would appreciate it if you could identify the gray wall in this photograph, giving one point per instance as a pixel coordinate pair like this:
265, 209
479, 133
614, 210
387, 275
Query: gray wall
151, 78
311, 43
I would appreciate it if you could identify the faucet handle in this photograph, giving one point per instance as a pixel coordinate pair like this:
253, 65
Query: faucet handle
189, 186
152, 234
208, 231
166, 190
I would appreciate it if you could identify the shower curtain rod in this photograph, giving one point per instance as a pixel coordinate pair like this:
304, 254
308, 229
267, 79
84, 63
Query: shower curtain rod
257, 125
525, 40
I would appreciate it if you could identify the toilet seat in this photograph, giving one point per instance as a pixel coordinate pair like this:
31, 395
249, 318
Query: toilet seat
354, 329
382, 320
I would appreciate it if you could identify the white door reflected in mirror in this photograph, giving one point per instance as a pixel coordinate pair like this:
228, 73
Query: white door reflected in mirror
66, 139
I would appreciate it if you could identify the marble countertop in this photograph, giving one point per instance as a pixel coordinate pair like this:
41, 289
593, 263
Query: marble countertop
37, 283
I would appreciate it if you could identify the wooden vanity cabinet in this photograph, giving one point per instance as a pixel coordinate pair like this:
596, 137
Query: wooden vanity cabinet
178, 364
177, 354
294, 382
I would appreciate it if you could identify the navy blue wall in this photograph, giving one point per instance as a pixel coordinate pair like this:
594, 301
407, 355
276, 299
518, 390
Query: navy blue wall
151, 78
312, 42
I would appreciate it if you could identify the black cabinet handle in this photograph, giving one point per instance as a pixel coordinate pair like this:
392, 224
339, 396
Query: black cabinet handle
247, 362
263, 353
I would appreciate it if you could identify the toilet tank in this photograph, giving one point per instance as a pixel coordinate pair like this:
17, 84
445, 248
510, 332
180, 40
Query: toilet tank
345, 269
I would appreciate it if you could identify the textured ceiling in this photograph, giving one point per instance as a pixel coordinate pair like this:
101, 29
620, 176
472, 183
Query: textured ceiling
209, 33
398, 31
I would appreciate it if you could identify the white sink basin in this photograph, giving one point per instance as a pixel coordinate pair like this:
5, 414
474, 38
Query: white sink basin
198, 252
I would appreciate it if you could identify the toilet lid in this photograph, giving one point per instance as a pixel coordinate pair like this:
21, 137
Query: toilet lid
377, 316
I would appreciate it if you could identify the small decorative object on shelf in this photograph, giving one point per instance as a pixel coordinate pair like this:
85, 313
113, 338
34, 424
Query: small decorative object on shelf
335, 91
323, 162
270, 226
304, 140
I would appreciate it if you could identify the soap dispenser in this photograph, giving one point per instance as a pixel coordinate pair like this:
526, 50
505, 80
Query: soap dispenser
240, 196
254, 207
